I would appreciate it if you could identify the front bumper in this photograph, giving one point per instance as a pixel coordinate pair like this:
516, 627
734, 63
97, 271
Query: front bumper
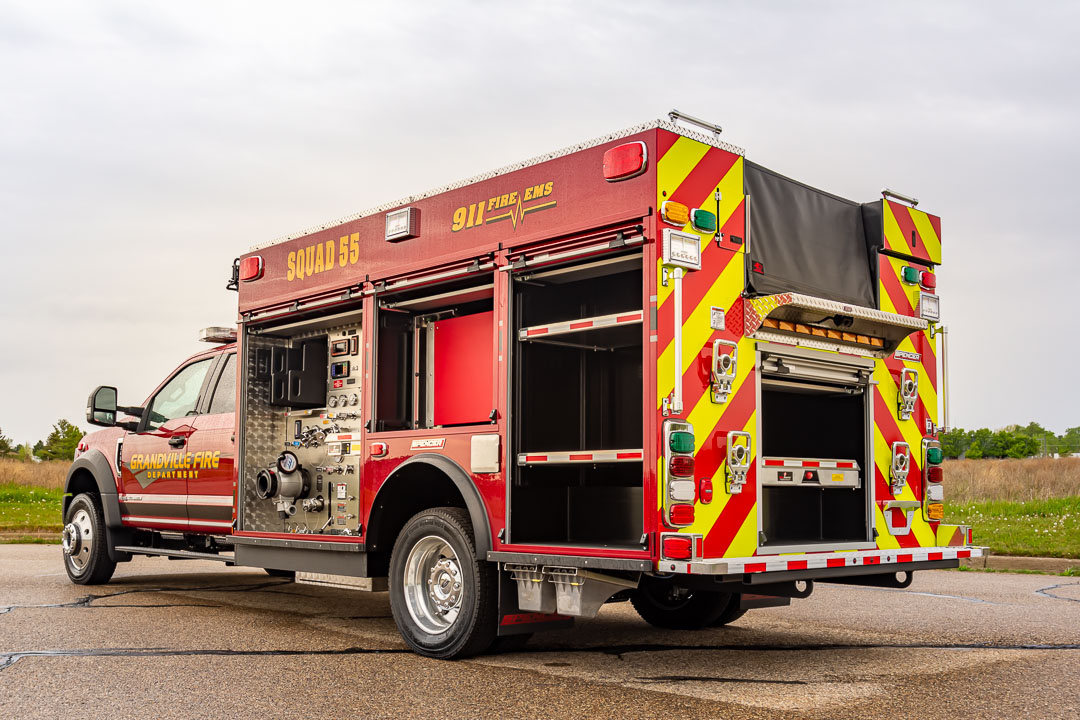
814, 561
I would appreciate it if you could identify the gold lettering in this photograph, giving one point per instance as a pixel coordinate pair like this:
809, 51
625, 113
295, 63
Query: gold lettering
291, 274
318, 260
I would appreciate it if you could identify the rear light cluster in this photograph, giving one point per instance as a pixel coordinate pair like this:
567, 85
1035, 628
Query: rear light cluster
933, 492
680, 489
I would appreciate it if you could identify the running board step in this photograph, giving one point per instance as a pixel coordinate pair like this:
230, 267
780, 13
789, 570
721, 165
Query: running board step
178, 554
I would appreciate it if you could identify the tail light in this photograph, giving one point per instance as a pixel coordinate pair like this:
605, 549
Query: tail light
625, 161
678, 547
682, 465
679, 489
682, 514
935, 474
927, 280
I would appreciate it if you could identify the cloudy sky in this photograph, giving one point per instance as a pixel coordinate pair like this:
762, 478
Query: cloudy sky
144, 145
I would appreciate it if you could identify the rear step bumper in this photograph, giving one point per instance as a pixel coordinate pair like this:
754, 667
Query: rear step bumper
817, 561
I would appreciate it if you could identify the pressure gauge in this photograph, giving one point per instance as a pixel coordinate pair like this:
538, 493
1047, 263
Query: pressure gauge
332, 402
354, 399
287, 462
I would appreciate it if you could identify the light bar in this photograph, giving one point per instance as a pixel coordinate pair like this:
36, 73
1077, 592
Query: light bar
217, 335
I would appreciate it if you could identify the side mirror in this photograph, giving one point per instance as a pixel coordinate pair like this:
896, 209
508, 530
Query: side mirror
101, 407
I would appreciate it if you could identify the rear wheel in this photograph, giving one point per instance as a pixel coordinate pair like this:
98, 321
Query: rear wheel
442, 596
671, 607
86, 552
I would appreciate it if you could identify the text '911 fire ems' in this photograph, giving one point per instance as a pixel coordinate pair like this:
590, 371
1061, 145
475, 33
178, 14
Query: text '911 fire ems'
639, 368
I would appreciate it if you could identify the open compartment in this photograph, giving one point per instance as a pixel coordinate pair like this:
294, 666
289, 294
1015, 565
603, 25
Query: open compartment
434, 348
577, 398
816, 466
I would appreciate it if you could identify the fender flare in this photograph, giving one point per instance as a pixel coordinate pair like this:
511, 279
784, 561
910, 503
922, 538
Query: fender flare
474, 504
98, 466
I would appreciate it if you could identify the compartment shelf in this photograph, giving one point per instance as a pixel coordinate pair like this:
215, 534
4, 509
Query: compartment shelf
632, 317
573, 457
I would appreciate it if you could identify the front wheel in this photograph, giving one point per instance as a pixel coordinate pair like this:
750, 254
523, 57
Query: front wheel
86, 554
443, 598
668, 606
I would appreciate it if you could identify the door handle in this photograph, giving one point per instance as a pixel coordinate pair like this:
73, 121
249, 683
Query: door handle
177, 441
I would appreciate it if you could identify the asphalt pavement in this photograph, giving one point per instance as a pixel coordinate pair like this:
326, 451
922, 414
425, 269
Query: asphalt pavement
194, 639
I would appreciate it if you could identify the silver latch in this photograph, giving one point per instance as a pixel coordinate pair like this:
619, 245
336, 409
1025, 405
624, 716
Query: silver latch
909, 392
724, 368
738, 460
901, 463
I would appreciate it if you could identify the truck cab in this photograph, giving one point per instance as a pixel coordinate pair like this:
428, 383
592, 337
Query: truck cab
160, 474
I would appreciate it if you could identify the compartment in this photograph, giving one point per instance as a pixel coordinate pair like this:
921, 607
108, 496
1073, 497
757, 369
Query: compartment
816, 463
435, 357
577, 398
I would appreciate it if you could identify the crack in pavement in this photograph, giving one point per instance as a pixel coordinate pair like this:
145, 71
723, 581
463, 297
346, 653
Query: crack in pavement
706, 678
88, 600
1045, 592
7, 659
621, 650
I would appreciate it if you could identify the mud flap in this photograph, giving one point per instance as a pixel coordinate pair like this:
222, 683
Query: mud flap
515, 621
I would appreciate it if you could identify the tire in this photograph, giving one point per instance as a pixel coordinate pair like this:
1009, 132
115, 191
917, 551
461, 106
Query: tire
274, 572
731, 612
667, 606
85, 541
443, 598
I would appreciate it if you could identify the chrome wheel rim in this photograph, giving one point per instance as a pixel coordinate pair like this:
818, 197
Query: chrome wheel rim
434, 585
78, 541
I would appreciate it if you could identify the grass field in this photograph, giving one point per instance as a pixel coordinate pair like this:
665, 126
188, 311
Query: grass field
29, 509
1018, 507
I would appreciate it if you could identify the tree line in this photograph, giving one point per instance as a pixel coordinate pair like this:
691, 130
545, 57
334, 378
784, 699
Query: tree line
60, 444
1014, 441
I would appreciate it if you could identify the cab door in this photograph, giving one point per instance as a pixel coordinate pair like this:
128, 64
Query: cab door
211, 481
155, 462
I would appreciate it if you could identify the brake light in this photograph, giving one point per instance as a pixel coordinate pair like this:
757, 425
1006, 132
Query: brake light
678, 547
682, 514
935, 474
625, 161
927, 280
682, 465
251, 268
971, 536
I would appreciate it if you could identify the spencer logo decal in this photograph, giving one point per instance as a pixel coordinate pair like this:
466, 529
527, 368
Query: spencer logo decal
510, 206
320, 257
173, 466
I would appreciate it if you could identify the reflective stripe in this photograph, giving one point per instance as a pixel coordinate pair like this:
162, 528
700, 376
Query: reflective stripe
175, 521
158, 499
738, 566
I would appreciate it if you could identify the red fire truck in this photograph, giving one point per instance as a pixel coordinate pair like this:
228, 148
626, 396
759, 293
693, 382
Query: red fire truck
640, 368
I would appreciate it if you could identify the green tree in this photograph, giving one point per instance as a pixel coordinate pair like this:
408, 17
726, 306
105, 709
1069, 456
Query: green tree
974, 451
61, 442
5, 444
38, 447
955, 442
